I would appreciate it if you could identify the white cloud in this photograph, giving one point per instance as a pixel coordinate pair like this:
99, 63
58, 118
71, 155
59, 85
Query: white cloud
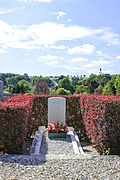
99, 52
80, 59
69, 20
28, 60
111, 37
60, 14
118, 57
2, 51
5, 11
84, 49
96, 63
47, 58
61, 47
51, 63
34, 36
46, 34
44, 1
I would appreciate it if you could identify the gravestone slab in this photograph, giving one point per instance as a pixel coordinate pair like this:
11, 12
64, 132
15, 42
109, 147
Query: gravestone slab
1, 88
56, 109
41, 87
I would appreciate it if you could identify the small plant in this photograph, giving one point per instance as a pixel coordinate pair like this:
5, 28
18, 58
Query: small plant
57, 128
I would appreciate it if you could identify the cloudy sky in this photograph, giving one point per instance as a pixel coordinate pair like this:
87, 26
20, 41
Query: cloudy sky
54, 37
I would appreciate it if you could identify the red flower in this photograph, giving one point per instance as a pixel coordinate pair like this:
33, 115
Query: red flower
57, 130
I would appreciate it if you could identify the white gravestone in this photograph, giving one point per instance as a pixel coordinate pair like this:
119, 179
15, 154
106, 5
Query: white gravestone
56, 109
1, 88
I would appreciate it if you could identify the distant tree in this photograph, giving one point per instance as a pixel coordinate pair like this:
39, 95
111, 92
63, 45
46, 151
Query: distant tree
25, 84
99, 90
92, 76
53, 92
61, 77
109, 88
105, 78
92, 84
21, 87
34, 80
16, 89
81, 89
74, 81
82, 81
62, 91
117, 84
27, 78
66, 84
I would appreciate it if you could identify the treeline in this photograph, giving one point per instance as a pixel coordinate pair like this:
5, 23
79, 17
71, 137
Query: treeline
15, 83
105, 84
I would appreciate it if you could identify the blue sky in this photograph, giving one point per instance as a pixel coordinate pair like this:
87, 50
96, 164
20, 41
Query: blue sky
54, 37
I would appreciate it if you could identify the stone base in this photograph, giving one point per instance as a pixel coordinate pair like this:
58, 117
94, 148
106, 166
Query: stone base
57, 135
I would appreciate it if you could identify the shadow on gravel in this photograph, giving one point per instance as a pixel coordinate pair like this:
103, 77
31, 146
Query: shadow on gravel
25, 160
84, 144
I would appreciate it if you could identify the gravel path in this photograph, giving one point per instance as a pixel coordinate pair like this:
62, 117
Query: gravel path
56, 145
57, 161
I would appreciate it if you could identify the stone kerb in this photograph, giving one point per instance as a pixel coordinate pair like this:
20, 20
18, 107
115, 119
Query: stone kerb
56, 109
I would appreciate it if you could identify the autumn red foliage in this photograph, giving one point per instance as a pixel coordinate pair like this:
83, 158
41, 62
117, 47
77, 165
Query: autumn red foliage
101, 116
96, 116
15, 114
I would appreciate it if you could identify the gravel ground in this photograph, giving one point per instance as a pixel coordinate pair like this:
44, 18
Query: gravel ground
57, 161
36, 167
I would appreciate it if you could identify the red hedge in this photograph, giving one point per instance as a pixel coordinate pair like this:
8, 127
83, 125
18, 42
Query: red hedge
101, 116
15, 114
98, 116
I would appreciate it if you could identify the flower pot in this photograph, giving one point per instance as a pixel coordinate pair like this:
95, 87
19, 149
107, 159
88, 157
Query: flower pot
57, 135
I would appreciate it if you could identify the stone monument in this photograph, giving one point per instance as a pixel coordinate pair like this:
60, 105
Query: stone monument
41, 87
56, 109
1, 88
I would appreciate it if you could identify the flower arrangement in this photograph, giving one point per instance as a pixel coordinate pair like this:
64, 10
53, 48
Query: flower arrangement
57, 128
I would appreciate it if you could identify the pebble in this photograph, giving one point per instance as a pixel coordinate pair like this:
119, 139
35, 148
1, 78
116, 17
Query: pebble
96, 167
63, 166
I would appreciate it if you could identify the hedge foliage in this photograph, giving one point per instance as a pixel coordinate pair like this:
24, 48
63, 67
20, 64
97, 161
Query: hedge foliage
15, 114
98, 117
101, 115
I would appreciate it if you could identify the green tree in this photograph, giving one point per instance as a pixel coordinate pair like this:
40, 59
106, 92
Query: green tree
99, 90
82, 81
109, 88
81, 89
92, 83
25, 84
27, 78
21, 87
66, 84
117, 84
34, 80
16, 89
75, 81
62, 91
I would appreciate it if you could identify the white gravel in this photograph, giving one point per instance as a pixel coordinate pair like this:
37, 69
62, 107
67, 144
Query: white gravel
57, 161
37, 167
56, 145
